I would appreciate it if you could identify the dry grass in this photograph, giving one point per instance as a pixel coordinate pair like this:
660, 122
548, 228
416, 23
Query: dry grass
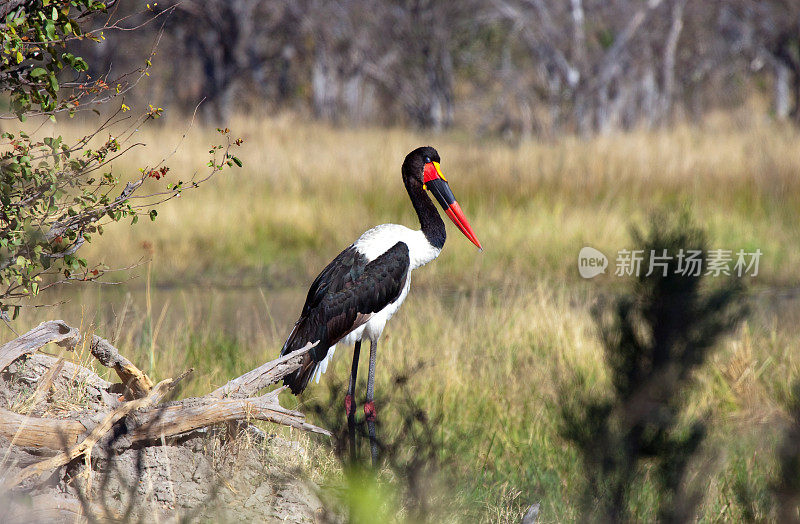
307, 190
231, 261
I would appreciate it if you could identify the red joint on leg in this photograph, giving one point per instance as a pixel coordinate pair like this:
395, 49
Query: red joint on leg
369, 412
349, 405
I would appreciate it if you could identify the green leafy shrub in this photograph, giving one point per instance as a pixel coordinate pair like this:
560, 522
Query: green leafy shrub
654, 337
56, 195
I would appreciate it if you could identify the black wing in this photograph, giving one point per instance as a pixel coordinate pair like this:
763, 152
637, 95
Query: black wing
339, 274
340, 301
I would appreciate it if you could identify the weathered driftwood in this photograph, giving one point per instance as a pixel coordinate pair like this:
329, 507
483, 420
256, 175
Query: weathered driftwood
133, 378
190, 414
85, 446
70, 373
51, 331
144, 418
37, 432
67, 376
265, 375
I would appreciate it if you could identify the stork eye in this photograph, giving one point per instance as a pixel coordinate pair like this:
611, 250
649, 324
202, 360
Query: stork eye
427, 160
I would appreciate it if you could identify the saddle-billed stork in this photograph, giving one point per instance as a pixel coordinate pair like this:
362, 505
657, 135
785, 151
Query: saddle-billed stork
362, 287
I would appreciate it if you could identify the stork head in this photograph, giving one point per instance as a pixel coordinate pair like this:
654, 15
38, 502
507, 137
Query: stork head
421, 168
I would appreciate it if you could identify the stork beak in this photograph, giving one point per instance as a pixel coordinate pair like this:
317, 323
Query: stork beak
437, 184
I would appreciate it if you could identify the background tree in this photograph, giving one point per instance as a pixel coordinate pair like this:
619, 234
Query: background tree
515, 67
769, 32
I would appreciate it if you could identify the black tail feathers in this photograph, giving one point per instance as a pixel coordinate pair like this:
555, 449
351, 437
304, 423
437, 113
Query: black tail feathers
298, 380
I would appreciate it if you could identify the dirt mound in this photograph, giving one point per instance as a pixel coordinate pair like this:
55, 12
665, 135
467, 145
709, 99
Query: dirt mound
206, 477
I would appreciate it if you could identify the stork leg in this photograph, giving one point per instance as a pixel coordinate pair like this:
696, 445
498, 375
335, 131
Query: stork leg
369, 407
350, 403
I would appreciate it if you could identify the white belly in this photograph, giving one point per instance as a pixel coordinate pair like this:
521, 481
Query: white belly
373, 244
374, 327
370, 331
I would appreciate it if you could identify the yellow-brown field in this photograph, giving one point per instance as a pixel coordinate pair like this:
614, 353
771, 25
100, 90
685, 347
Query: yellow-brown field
497, 331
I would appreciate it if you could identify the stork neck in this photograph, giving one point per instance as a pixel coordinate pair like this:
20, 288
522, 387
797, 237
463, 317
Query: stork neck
430, 222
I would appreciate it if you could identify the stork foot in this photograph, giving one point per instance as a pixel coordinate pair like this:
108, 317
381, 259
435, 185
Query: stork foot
371, 416
369, 412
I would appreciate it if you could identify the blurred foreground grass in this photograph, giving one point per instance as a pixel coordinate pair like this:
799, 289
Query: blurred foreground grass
230, 264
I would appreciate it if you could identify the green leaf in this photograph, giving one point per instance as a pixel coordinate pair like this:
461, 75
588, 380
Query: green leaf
36, 72
53, 82
50, 30
153, 214
236, 161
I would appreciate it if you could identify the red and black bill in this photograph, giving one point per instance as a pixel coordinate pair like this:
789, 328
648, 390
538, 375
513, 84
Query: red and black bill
437, 184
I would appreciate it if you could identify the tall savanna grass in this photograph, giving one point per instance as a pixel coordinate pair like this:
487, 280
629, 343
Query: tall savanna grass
495, 333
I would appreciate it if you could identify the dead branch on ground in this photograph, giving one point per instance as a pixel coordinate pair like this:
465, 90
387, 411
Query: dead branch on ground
133, 378
140, 410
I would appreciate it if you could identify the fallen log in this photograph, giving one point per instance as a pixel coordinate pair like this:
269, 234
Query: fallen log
70, 375
265, 375
37, 364
134, 379
145, 419
190, 414
85, 447
51, 331
37, 432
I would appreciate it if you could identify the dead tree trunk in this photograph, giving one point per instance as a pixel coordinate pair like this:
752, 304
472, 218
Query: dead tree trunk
783, 104
134, 405
670, 50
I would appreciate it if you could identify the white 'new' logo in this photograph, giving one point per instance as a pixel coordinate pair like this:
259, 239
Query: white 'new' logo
591, 262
